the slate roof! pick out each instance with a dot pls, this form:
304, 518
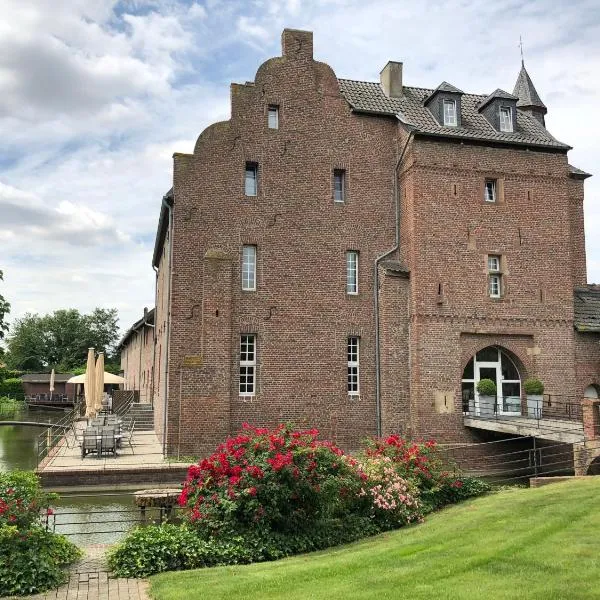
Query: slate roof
525, 90
45, 377
578, 173
587, 308
369, 97
443, 87
148, 318
497, 93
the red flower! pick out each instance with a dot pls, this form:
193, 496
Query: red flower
49, 512
252, 491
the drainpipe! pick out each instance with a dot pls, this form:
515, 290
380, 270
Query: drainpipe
376, 286
168, 334
154, 336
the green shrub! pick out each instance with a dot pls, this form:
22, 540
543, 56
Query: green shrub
22, 499
12, 387
533, 387
486, 387
32, 561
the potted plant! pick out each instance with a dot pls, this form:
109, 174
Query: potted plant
486, 389
534, 389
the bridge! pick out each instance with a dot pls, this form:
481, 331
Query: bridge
558, 419
35, 424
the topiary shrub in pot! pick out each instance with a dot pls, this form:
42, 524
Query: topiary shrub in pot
486, 389
534, 389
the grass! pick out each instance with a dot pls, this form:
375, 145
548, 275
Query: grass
529, 544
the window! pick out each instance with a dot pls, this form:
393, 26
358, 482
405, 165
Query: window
249, 268
339, 185
247, 365
494, 276
352, 272
490, 190
353, 375
251, 180
450, 113
506, 123
273, 116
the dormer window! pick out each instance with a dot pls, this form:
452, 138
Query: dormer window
506, 122
450, 113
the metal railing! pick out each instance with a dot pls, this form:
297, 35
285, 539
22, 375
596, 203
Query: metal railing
54, 433
547, 406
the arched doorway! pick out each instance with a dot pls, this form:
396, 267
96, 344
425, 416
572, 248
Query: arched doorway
591, 391
492, 363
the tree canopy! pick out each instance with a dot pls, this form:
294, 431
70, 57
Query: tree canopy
61, 339
4, 310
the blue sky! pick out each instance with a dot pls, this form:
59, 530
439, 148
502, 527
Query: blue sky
95, 96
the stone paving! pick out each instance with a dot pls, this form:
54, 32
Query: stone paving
89, 580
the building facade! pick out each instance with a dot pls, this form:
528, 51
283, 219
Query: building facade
355, 256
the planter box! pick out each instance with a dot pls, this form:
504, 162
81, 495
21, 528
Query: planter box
534, 406
487, 406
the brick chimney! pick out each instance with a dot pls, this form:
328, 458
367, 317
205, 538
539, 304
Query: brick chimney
391, 79
296, 43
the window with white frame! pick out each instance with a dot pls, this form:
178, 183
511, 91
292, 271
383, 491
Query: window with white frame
339, 185
249, 268
247, 364
352, 272
251, 179
489, 193
450, 113
273, 116
494, 276
353, 366
506, 122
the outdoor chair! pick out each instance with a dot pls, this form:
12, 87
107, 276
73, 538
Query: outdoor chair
90, 442
128, 436
109, 443
97, 422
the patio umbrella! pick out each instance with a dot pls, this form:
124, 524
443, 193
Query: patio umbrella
51, 383
108, 378
99, 392
89, 384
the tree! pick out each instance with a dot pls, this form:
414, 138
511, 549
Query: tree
61, 339
4, 310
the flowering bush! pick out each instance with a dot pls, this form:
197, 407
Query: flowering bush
31, 558
282, 480
393, 500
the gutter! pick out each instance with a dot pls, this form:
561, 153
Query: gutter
376, 286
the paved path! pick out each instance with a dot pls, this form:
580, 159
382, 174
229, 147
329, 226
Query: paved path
89, 580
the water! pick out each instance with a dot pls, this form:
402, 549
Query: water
87, 518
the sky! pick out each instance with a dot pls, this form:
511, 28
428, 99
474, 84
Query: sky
96, 95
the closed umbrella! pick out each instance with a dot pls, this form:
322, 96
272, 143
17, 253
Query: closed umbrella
89, 384
99, 395
51, 383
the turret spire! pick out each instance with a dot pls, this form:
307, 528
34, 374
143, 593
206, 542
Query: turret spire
529, 100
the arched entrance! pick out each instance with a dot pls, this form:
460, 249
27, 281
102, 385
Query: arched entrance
591, 391
492, 363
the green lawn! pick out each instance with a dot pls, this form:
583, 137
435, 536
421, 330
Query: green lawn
542, 543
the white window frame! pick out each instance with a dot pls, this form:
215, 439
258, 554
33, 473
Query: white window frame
353, 373
249, 268
491, 198
352, 272
251, 179
506, 119
273, 116
247, 373
494, 276
339, 191
450, 116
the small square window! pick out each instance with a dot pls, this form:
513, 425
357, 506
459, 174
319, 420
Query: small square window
493, 262
339, 185
251, 179
506, 122
490, 190
273, 116
450, 113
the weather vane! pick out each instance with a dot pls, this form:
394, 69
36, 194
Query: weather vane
521, 46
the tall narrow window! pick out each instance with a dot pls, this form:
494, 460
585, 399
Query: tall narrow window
506, 122
247, 365
352, 272
450, 113
353, 366
494, 276
273, 116
251, 180
489, 194
249, 268
339, 185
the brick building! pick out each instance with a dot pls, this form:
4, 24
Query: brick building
355, 256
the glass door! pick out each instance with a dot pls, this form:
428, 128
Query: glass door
486, 406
